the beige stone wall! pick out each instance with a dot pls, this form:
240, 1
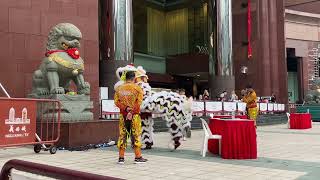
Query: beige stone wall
302, 26
299, 31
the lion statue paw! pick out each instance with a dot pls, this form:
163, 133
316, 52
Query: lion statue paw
85, 89
43, 91
57, 90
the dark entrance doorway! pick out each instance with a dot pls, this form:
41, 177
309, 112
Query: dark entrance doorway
295, 76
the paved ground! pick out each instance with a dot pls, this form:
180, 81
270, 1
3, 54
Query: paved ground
283, 154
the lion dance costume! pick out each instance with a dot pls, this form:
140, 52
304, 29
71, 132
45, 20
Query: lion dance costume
174, 108
251, 100
129, 95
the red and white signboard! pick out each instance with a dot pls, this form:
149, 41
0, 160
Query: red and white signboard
230, 106
108, 106
275, 107
18, 122
242, 106
197, 106
212, 106
263, 107
270, 107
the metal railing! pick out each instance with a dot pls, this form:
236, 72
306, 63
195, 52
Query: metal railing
48, 171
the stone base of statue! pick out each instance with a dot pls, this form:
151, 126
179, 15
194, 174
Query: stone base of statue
74, 108
81, 133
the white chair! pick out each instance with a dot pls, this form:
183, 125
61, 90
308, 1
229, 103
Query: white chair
288, 115
208, 135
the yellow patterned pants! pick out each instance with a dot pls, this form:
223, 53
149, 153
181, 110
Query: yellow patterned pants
253, 113
130, 129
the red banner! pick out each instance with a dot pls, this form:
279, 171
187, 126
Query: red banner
18, 122
249, 30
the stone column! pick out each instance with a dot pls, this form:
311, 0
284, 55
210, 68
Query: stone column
123, 29
272, 68
116, 39
221, 65
264, 30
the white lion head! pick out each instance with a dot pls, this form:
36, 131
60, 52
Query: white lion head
120, 73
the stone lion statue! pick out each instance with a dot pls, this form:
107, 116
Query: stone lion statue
62, 63
313, 95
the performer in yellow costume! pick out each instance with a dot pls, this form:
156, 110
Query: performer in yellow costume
128, 97
251, 99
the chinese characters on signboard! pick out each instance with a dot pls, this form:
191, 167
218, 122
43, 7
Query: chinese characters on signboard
18, 122
17, 126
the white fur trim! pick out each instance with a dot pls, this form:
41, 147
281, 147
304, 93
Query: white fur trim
188, 104
141, 72
129, 68
126, 68
171, 145
118, 84
118, 71
140, 68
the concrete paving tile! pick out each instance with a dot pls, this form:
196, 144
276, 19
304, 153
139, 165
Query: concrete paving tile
276, 160
259, 177
278, 178
293, 175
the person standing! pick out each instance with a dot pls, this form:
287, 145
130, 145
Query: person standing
233, 96
206, 95
223, 96
128, 98
243, 94
182, 92
251, 99
273, 98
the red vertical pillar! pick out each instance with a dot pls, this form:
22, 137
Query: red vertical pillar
264, 72
107, 34
271, 62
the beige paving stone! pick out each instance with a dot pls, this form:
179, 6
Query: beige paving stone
277, 147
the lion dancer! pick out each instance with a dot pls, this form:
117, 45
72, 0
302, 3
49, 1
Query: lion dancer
146, 117
251, 99
173, 106
128, 97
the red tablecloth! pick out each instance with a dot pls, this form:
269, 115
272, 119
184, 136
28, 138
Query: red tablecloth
228, 116
238, 138
300, 121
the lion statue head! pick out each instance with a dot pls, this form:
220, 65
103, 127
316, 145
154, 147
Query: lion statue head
64, 36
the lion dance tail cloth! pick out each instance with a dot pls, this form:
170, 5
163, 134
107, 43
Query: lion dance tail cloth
176, 110
147, 129
146, 117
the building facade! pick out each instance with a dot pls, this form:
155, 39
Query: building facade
179, 42
200, 45
303, 46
